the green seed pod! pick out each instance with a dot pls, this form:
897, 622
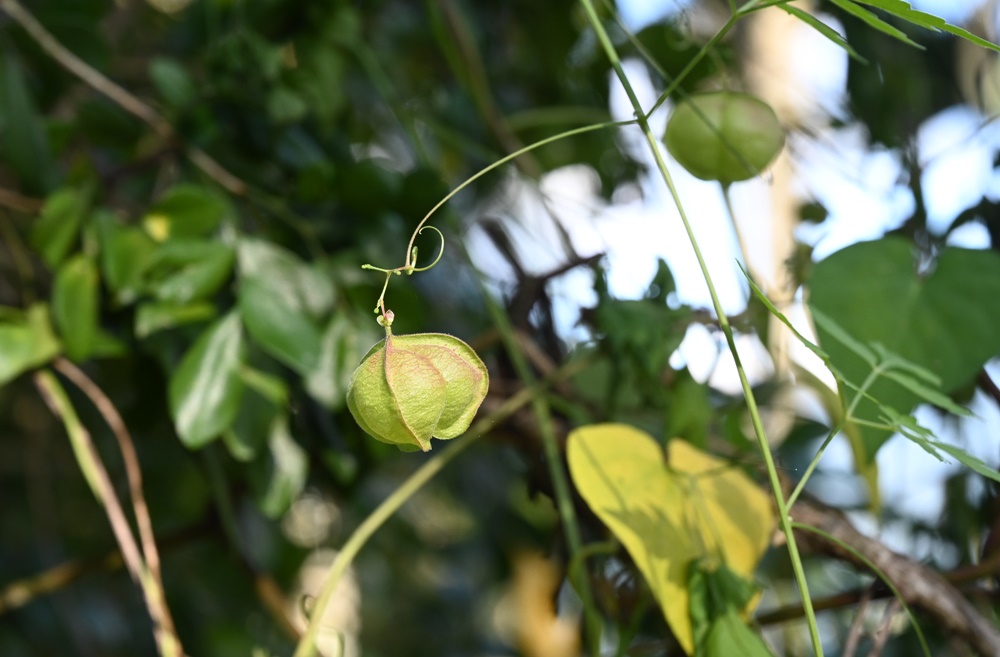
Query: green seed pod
724, 136
409, 388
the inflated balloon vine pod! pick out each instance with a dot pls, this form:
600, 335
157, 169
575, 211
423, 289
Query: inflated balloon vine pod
410, 388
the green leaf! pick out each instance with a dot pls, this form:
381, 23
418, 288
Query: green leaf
286, 106
126, 255
280, 476
941, 318
75, 306
667, 517
831, 328
715, 592
927, 394
730, 636
280, 328
159, 315
903, 10
199, 278
186, 211
823, 29
968, 460
24, 145
206, 388
875, 22
173, 82
781, 317
263, 404
59, 223
892, 361
341, 347
304, 287
26, 341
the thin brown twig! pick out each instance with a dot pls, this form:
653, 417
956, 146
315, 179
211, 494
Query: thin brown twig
21, 592
17, 594
858, 623
90, 460
15, 201
117, 94
133, 472
884, 629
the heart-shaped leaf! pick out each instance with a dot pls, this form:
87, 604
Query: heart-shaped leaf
670, 512
942, 317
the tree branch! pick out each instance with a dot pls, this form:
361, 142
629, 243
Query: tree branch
919, 585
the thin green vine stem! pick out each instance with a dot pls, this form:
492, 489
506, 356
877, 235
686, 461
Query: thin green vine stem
746, 9
504, 160
848, 415
307, 644
783, 510
557, 473
875, 569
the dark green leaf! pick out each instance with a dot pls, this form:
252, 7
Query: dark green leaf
206, 388
942, 320
286, 106
173, 82
26, 341
23, 142
892, 361
75, 306
278, 326
59, 223
280, 475
263, 405
835, 331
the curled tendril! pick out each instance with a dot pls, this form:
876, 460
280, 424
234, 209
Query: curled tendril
385, 318
412, 260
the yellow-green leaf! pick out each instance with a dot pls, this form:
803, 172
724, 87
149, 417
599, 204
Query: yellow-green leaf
669, 516
26, 341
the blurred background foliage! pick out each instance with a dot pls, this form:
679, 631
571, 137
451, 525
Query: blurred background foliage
223, 313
